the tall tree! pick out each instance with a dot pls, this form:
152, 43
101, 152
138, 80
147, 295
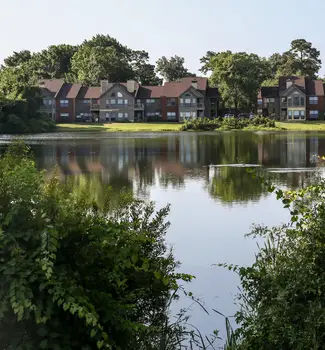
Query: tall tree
54, 62
91, 64
144, 72
305, 57
206, 62
238, 77
173, 68
17, 58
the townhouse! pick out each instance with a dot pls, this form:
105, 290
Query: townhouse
295, 98
187, 98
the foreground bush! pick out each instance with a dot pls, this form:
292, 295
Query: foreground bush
283, 292
76, 276
227, 123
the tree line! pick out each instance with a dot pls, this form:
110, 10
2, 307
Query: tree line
238, 75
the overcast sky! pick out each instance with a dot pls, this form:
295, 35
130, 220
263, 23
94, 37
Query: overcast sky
187, 28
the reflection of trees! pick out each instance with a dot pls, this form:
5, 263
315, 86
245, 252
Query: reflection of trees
138, 163
231, 184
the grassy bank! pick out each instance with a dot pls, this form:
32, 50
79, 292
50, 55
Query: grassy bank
167, 127
121, 127
302, 126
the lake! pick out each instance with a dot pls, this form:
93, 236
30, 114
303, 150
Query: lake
214, 200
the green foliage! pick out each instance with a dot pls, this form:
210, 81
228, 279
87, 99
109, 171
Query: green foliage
282, 298
238, 77
173, 68
74, 275
205, 124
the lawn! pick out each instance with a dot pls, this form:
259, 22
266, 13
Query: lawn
302, 126
121, 127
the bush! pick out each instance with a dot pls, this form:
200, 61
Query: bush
76, 276
283, 292
205, 124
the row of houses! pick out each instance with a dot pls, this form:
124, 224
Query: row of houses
295, 98
176, 101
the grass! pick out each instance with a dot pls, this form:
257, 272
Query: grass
165, 127
121, 127
302, 126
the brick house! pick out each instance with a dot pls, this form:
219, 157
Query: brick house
188, 98
295, 98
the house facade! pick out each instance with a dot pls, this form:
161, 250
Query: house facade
295, 98
188, 98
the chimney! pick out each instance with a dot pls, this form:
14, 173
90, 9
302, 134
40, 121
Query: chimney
194, 84
131, 86
105, 85
289, 83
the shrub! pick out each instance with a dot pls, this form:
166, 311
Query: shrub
205, 124
283, 292
76, 276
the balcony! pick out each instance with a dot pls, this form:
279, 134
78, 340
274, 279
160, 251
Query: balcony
192, 105
139, 107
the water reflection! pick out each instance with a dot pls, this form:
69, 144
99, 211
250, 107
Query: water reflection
139, 163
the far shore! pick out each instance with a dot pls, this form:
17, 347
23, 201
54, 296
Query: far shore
176, 127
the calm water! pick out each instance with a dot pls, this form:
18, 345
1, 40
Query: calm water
214, 200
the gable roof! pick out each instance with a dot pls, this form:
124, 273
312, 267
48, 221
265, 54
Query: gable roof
91, 92
174, 88
123, 86
53, 86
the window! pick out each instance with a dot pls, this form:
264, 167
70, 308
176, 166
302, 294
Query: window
120, 101
283, 99
64, 103
126, 102
86, 101
259, 101
120, 116
313, 100
313, 114
270, 100
302, 101
296, 114
194, 100
171, 101
171, 115
181, 100
289, 114
296, 100
126, 115
64, 115
112, 101
289, 102
113, 94
119, 94
187, 101
150, 100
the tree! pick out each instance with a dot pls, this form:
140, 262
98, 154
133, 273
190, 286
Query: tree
144, 72
91, 64
305, 58
238, 77
173, 68
206, 62
17, 58
75, 275
54, 62
283, 292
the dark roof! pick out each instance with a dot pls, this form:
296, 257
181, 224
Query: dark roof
53, 86
305, 84
268, 91
175, 88
89, 92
